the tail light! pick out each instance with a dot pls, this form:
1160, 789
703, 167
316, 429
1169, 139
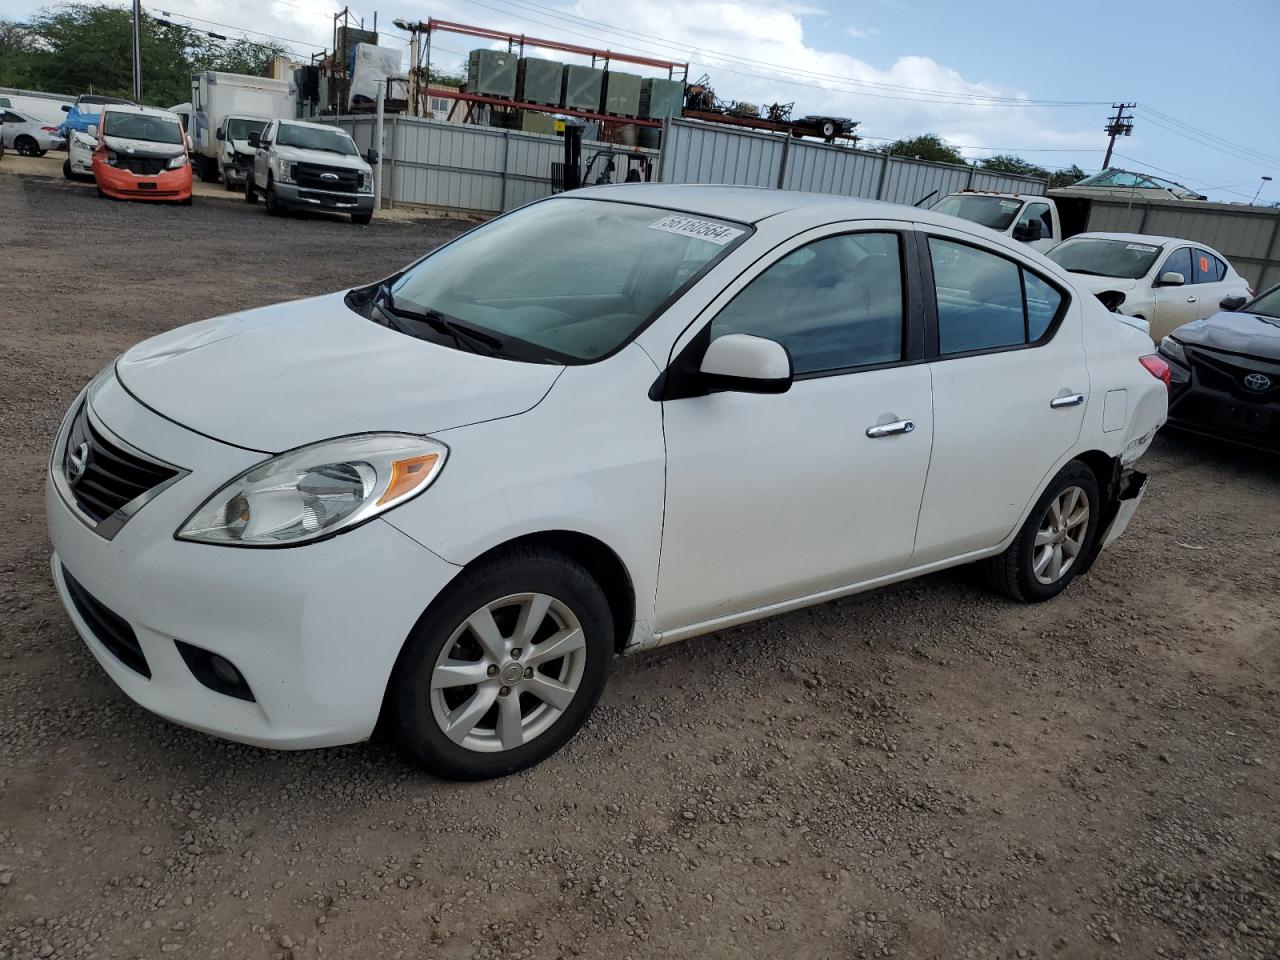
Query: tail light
1157, 368
49, 129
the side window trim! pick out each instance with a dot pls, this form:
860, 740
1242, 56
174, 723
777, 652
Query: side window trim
924, 267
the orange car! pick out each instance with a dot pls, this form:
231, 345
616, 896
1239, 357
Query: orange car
141, 155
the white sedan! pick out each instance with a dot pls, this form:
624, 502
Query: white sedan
607, 421
79, 162
28, 135
1165, 281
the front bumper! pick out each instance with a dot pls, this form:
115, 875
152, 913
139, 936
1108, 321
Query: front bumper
305, 198
172, 185
314, 630
1208, 397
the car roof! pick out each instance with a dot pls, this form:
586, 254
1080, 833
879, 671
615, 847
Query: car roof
317, 126
753, 204
141, 111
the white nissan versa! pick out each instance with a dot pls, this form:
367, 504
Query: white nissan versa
610, 420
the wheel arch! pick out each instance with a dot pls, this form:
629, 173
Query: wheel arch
599, 559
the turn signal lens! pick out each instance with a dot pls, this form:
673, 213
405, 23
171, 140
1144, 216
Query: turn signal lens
407, 475
1157, 368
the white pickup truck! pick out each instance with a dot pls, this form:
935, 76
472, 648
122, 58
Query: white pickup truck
1032, 220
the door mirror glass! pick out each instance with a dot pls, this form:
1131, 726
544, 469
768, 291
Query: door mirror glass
91, 130
188, 140
221, 134
1231, 303
746, 364
255, 140
1172, 279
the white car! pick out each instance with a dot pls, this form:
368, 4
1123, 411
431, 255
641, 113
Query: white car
1165, 281
609, 420
79, 162
28, 135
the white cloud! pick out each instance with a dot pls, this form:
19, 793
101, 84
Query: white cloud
863, 33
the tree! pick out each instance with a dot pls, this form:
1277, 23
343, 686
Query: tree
927, 146
89, 47
1007, 163
1065, 178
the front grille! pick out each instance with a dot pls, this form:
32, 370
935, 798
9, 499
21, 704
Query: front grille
143, 166
1226, 373
313, 176
101, 475
110, 629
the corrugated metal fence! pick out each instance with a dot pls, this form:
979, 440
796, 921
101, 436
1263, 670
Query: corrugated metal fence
467, 168
694, 152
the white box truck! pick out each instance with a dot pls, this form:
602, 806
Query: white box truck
216, 99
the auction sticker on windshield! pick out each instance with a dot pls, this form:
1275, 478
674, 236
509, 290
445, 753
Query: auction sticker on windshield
716, 233
1140, 247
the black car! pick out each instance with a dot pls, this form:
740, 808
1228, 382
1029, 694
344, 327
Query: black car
1226, 372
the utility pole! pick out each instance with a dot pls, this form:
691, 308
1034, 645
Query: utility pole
1117, 126
137, 51
1257, 193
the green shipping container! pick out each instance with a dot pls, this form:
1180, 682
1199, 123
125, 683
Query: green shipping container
621, 94
580, 89
539, 81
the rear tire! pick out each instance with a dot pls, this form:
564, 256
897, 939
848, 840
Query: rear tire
1055, 542
517, 703
208, 170
27, 147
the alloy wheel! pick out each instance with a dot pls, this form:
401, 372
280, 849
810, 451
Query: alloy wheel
508, 672
1060, 537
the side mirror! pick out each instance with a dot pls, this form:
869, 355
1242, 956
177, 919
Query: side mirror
188, 139
1232, 303
1030, 231
91, 129
221, 135
255, 141
1171, 279
66, 108
372, 157
746, 364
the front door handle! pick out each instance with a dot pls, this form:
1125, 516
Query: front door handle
1074, 400
1191, 299
890, 429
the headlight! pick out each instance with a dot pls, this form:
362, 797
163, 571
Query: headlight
112, 158
178, 162
1172, 349
366, 182
317, 490
284, 171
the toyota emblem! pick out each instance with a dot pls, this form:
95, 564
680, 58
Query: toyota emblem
1257, 382
77, 462
328, 176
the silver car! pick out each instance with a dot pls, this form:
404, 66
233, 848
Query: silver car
29, 135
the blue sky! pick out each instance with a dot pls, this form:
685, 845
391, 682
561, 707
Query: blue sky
976, 68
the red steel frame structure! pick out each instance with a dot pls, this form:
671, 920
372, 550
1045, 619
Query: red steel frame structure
518, 41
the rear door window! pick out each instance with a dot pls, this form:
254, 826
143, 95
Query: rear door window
1207, 267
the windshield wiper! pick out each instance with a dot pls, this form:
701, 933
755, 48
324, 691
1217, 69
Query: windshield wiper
464, 336
1095, 273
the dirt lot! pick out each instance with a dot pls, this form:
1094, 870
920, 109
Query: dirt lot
928, 771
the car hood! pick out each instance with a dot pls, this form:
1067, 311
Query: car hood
325, 157
1094, 284
279, 377
143, 148
1234, 332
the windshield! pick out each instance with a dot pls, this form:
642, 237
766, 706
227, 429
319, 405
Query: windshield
240, 129
1105, 258
1267, 305
137, 126
315, 138
994, 212
577, 278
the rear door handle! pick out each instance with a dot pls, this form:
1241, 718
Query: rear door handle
890, 429
1191, 299
1074, 400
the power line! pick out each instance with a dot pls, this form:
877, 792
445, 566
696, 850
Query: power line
1181, 177
792, 75
1252, 158
1204, 133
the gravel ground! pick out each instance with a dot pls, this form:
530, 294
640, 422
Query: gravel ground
927, 771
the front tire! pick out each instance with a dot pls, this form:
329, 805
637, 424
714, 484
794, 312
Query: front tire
503, 668
273, 205
362, 219
1056, 540
250, 191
